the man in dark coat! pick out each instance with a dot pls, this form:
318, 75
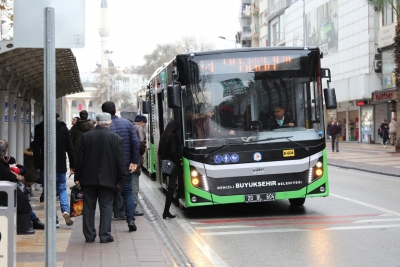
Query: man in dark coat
81, 126
280, 120
334, 131
63, 146
105, 150
125, 130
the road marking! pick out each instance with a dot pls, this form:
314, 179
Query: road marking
286, 218
362, 227
201, 244
224, 227
257, 232
366, 204
377, 220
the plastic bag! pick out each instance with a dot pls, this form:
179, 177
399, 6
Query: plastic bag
76, 201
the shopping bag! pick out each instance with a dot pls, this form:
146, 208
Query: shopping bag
76, 201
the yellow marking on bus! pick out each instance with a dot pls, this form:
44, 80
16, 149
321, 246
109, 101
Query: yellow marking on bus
288, 153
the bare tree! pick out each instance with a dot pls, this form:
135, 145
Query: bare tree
164, 53
109, 84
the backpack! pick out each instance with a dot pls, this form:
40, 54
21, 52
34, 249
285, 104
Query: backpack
380, 132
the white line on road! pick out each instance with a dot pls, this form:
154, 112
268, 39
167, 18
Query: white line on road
377, 220
201, 244
223, 227
366, 204
258, 232
362, 227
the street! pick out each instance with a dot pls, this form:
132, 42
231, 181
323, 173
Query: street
357, 225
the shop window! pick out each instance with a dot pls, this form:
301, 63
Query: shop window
73, 104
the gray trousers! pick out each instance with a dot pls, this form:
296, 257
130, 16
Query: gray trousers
105, 197
335, 142
135, 187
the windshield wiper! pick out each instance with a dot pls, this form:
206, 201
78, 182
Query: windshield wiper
283, 137
218, 149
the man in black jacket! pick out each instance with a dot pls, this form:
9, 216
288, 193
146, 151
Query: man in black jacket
63, 146
105, 150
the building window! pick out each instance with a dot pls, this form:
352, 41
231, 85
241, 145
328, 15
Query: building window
126, 79
126, 89
90, 103
73, 104
135, 80
387, 15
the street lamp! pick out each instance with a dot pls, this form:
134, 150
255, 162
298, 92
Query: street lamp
108, 56
222, 37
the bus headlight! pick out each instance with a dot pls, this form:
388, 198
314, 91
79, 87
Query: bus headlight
198, 180
316, 171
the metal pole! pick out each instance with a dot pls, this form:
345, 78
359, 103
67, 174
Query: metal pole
304, 23
50, 138
108, 81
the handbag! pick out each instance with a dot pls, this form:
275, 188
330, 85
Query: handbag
167, 166
76, 201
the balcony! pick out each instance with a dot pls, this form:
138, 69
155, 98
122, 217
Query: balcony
245, 23
246, 12
246, 34
255, 30
255, 8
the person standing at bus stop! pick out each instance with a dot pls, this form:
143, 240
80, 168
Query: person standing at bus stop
124, 128
334, 131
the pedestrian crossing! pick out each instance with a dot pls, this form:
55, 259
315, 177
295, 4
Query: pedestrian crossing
273, 225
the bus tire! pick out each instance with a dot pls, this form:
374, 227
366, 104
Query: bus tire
297, 201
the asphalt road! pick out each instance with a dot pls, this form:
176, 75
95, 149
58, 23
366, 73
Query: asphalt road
357, 225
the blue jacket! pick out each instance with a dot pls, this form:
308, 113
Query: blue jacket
124, 128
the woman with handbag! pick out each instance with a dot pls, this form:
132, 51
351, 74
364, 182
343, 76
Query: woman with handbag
169, 153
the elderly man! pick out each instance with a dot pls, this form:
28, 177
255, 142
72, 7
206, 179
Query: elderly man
105, 150
124, 128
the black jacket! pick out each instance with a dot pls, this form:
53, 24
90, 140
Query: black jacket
77, 130
101, 159
63, 146
172, 150
275, 125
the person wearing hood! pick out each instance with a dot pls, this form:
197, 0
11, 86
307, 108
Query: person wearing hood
80, 127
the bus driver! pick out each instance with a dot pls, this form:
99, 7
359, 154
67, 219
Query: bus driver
280, 120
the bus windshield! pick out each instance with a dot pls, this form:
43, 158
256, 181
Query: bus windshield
237, 97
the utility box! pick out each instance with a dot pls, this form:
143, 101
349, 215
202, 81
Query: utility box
8, 201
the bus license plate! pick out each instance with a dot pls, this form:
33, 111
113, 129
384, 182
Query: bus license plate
259, 197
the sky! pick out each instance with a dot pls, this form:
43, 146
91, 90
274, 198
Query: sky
138, 26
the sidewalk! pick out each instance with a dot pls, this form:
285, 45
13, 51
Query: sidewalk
365, 157
140, 248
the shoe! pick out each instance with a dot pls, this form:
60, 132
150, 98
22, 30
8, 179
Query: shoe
57, 224
90, 241
384, 146
41, 199
111, 239
168, 215
37, 224
68, 220
337, 151
132, 226
137, 213
123, 218
26, 232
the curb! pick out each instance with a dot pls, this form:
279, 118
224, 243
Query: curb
176, 256
363, 170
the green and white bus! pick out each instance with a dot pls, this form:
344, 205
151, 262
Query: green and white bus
254, 161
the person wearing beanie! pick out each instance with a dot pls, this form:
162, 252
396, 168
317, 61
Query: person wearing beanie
139, 125
81, 126
104, 149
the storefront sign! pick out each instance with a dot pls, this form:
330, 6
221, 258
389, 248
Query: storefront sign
386, 35
392, 95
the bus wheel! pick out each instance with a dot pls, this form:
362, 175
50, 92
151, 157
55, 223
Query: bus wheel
297, 201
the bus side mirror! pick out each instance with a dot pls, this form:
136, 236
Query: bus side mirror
145, 107
174, 96
330, 98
